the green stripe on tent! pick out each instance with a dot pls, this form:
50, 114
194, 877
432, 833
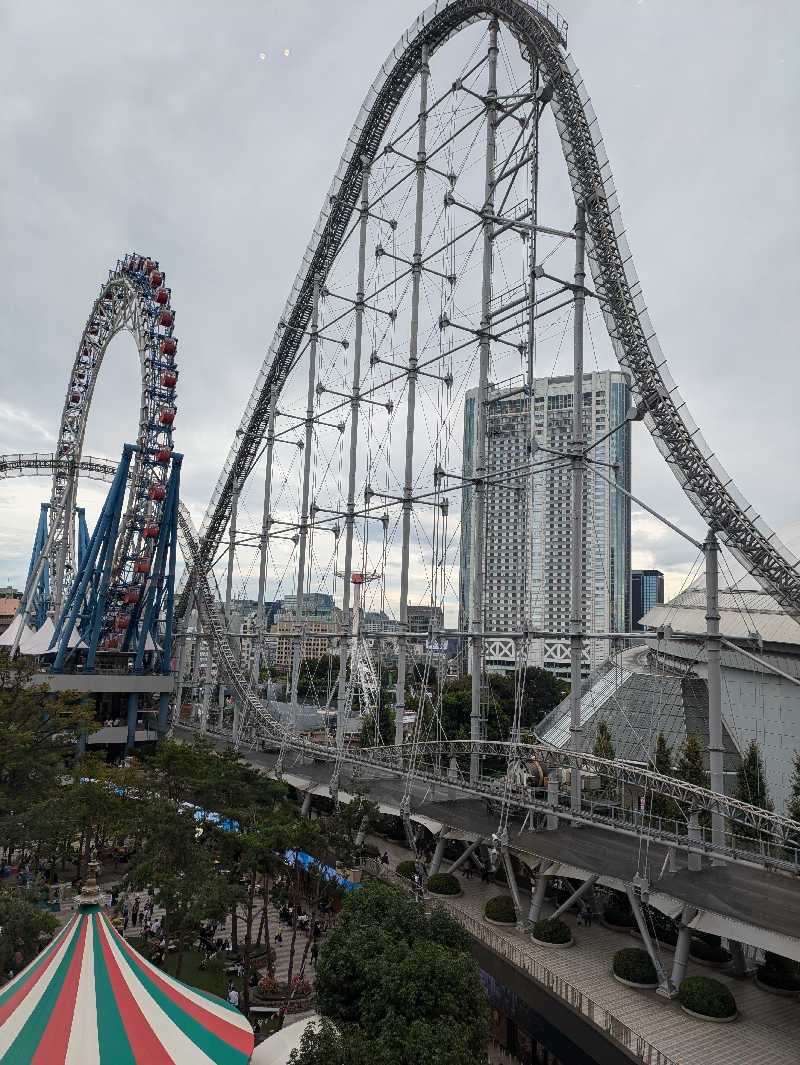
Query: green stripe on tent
27, 1042
115, 1048
220, 1052
43, 959
126, 948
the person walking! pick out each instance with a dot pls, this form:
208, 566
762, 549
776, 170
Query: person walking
314, 954
135, 911
233, 997
125, 916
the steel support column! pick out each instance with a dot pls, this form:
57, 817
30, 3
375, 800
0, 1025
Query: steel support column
665, 986
297, 639
413, 347
438, 852
511, 877
576, 501
351, 472
266, 522
465, 855
682, 946
576, 895
133, 710
714, 682
479, 452
537, 898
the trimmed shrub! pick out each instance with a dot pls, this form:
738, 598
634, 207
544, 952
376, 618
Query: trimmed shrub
706, 947
443, 884
663, 928
779, 972
552, 931
707, 997
406, 869
634, 965
617, 910
501, 908
618, 917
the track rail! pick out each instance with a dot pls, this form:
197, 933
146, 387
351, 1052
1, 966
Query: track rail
541, 35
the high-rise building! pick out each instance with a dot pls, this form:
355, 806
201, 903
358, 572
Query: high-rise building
527, 579
647, 591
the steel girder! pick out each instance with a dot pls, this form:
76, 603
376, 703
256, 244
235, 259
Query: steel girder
541, 34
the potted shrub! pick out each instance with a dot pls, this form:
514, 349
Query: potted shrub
708, 950
707, 999
634, 968
406, 869
552, 933
443, 884
779, 975
500, 910
268, 988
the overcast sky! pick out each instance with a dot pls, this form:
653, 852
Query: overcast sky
157, 127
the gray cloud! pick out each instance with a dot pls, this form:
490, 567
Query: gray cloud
158, 128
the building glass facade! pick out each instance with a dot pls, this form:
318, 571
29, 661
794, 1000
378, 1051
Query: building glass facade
647, 591
528, 578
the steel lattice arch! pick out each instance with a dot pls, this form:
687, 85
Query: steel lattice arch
541, 34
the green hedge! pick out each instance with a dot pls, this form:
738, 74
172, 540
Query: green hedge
501, 908
708, 997
406, 869
780, 972
620, 918
443, 884
706, 947
552, 931
634, 965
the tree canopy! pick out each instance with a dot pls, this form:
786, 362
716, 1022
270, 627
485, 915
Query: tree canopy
398, 982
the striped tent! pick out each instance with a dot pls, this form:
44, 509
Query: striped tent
90, 999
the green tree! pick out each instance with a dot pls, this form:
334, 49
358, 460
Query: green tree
25, 930
175, 861
38, 734
603, 745
401, 981
656, 804
662, 759
542, 692
385, 715
793, 804
690, 766
751, 779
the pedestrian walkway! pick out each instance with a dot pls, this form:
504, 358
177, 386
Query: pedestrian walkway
766, 1033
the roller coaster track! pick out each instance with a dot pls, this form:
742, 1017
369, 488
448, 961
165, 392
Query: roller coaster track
541, 34
391, 762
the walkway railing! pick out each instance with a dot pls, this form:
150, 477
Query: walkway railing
598, 1015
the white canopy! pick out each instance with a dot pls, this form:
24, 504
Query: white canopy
40, 642
7, 638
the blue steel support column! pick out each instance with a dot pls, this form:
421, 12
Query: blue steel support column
133, 710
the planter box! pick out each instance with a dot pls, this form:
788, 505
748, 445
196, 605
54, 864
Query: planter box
714, 1020
500, 924
543, 943
442, 895
784, 992
631, 983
